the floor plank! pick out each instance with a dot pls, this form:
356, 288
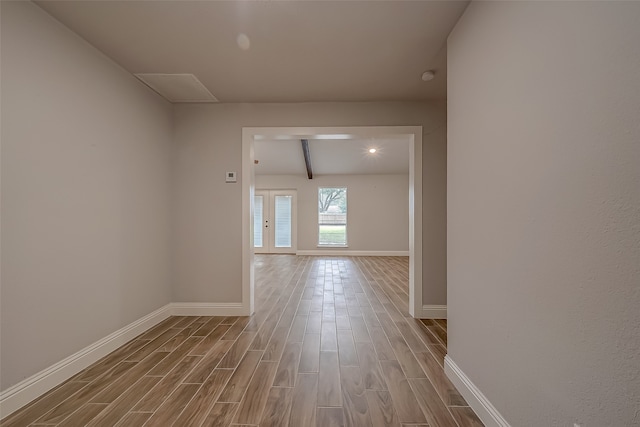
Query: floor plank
439, 352
296, 334
410, 337
116, 388
69, 405
83, 415
174, 405
310, 357
303, 411
97, 369
255, 399
49, 401
432, 406
220, 415
239, 381
381, 408
328, 336
152, 400
465, 417
278, 407
233, 331
406, 358
133, 419
356, 408
123, 404
370, 368
277, 343
288, 366
209, 341
198, 408
329, 380
401, 393
169, 362
153, 345
209, 362
209, 326
330, 417
359, 328
237, 350
347, 349
446, 390
382, 345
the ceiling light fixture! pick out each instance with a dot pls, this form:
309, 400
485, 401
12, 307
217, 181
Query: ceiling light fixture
372, 150
428, 75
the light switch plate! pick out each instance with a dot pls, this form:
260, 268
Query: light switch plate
230, 177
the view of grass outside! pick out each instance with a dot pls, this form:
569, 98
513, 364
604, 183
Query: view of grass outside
332, 216
332, 235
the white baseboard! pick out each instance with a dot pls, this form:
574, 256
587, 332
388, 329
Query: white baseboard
208, 309
347, 252
433, 312
474, 397
29, 389
33, 387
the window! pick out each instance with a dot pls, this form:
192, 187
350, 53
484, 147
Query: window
332, 216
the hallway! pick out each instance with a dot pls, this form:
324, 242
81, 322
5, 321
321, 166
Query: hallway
331, 344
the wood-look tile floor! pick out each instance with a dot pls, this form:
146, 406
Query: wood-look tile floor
331, 344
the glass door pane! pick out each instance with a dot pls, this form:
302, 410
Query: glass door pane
258, 217
282, 210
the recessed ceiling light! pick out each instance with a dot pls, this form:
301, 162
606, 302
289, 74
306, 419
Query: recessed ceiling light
428, 75
372, 150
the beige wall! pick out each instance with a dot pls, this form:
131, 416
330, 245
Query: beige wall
207, 230
85, 194
377, 208
544, 209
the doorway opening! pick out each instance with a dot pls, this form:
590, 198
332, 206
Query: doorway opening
410, 134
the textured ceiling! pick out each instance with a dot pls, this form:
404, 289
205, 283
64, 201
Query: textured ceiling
294, 51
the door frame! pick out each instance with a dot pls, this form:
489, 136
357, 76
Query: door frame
413, 135
271, 194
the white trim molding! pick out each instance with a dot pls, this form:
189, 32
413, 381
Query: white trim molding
208, 309
343, 252
412, 134
474, 397
433, 312
19, 395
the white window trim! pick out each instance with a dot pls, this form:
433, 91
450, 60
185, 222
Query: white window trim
320, 245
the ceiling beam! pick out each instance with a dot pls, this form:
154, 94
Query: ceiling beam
307, 157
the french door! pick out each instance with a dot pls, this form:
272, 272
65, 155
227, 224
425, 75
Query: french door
274, 221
